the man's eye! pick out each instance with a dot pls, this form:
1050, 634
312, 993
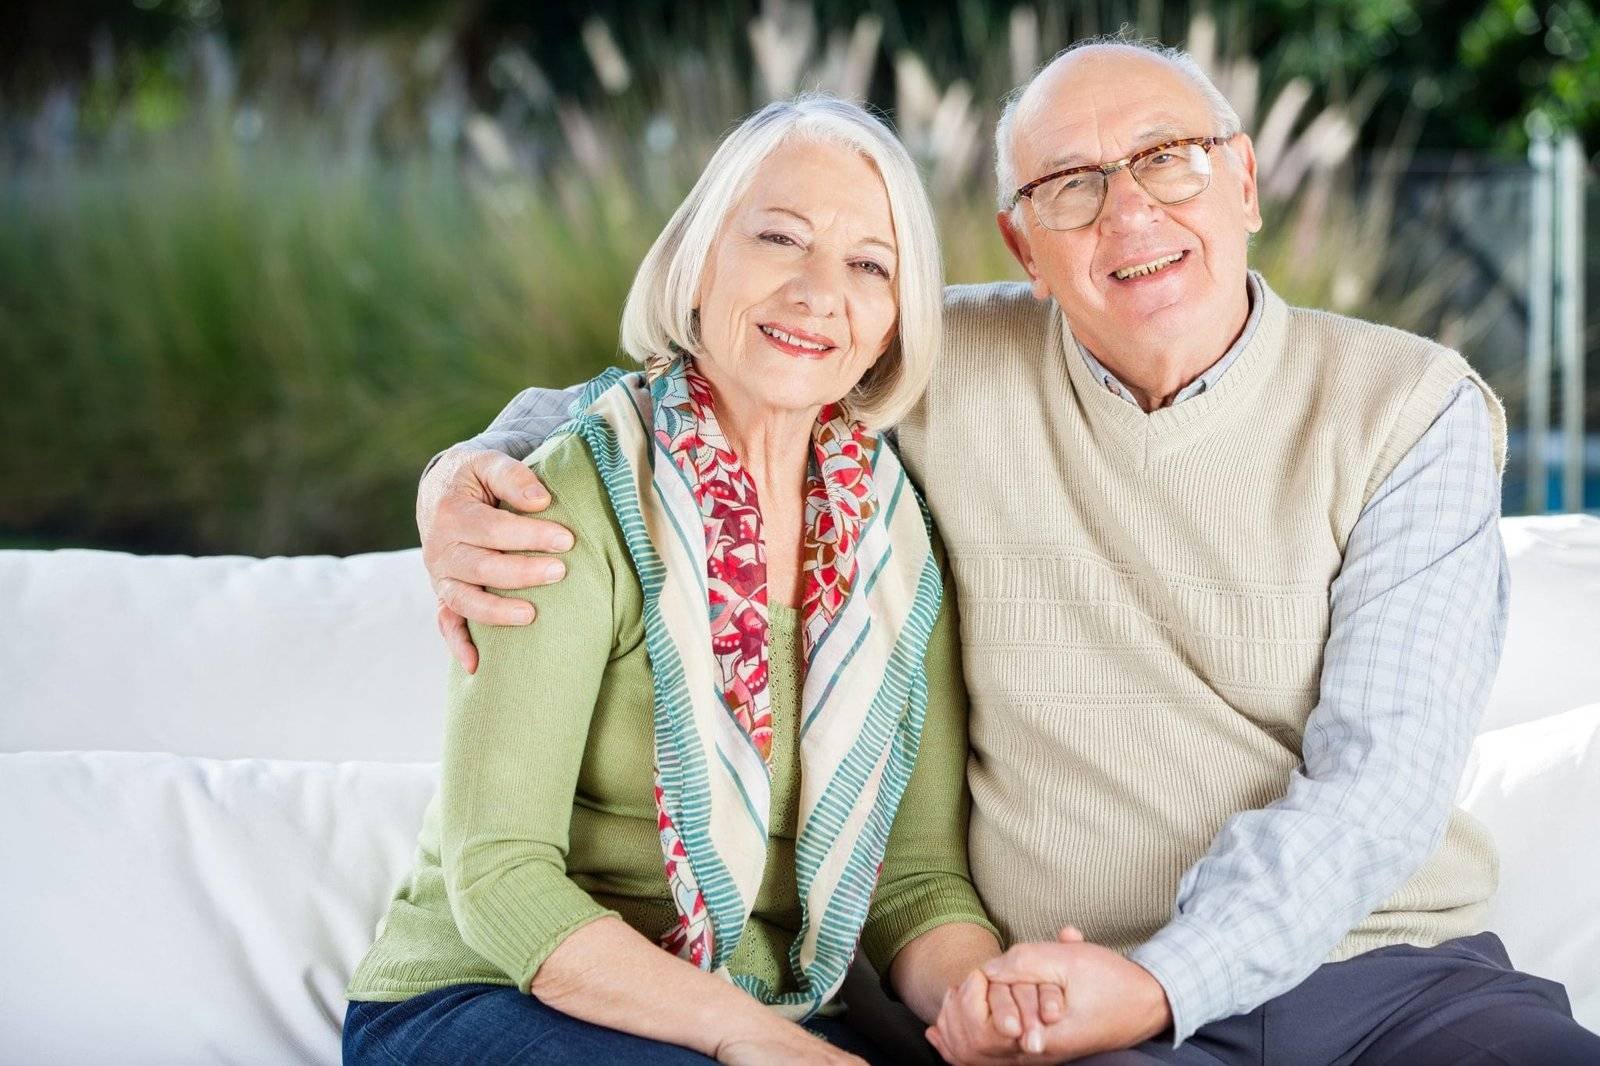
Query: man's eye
1072, 185
1160, 159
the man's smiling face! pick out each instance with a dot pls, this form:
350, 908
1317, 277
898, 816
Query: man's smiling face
1101, 105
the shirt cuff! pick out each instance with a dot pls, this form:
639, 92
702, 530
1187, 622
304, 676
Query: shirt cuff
428, 469
1190, 966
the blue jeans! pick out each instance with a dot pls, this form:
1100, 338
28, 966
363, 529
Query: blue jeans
498, 1024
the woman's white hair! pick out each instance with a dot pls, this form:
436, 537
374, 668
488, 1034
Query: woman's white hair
1005, 167
658, 320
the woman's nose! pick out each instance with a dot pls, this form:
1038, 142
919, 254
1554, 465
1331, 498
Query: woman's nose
818, 286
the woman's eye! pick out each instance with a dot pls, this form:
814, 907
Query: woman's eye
779, 238
873, 268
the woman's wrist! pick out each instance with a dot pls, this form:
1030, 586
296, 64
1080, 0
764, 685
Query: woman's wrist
938, 960
744, 1020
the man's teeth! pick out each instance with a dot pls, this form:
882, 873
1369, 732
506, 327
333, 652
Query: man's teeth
779, 334
1148, 268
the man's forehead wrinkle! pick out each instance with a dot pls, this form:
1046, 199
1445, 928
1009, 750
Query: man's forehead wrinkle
1053, 139
1057, 121
1100, 136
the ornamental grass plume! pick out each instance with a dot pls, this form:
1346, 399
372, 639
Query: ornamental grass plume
242, 303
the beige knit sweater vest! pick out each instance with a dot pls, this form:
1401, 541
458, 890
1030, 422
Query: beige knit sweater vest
1145, 599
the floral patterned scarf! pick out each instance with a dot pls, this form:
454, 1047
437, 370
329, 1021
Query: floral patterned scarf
839, 500
689, 513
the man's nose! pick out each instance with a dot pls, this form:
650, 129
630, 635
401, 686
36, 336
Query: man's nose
1127, 204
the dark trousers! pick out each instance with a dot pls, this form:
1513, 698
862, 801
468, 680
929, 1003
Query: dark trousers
1461, 1002
497, 1024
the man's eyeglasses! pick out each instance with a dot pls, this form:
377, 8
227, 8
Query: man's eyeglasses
1171, 172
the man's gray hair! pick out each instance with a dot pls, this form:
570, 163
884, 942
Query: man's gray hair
1005, 169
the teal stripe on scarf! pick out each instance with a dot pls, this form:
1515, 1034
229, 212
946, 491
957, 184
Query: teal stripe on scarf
679, 761
894, 503
748, 806
822, 700
887, 517
904, 688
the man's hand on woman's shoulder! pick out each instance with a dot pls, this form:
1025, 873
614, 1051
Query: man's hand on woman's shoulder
467, 538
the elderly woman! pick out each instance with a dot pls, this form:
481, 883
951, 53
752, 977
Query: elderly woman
734, 743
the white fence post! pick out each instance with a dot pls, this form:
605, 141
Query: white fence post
1541, 224
1568, 317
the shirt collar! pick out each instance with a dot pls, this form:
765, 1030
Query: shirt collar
1212, 374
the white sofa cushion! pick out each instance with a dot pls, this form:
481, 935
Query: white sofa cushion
1537, 787
213, 910
170, 910
313, 657
1552, 655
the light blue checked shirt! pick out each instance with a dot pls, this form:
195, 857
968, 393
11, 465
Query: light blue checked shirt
1418, 620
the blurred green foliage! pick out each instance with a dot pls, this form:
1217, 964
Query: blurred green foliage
259, 261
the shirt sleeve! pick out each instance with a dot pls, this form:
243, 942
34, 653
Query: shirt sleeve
523, 424
515, 738
1418, 616
925, 881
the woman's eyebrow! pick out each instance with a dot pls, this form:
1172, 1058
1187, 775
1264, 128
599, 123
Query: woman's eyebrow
791, 212
880, 242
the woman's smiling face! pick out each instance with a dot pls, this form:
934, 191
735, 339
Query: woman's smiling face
798, 297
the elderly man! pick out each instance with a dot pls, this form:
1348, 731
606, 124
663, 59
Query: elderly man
1232, 597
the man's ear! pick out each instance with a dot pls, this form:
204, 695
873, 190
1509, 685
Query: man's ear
1244, 150
1017, 242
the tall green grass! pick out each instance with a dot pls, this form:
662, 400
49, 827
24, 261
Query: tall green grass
243, 324
258, 358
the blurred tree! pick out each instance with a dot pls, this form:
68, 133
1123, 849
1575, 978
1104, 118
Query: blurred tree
1482, 71
1478, 71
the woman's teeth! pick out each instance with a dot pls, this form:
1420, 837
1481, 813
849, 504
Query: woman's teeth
778, 334
1148, 268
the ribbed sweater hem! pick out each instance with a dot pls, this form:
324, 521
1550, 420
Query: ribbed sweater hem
905, 919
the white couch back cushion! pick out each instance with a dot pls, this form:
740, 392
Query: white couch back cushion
314, 657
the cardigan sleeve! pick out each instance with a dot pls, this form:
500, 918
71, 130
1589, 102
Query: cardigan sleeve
515, 738
925, 882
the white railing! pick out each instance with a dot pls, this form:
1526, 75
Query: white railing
1555, 316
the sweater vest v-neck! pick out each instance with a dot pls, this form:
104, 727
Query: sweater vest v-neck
1145, 600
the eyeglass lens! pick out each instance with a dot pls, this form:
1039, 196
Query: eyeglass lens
1171, 176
